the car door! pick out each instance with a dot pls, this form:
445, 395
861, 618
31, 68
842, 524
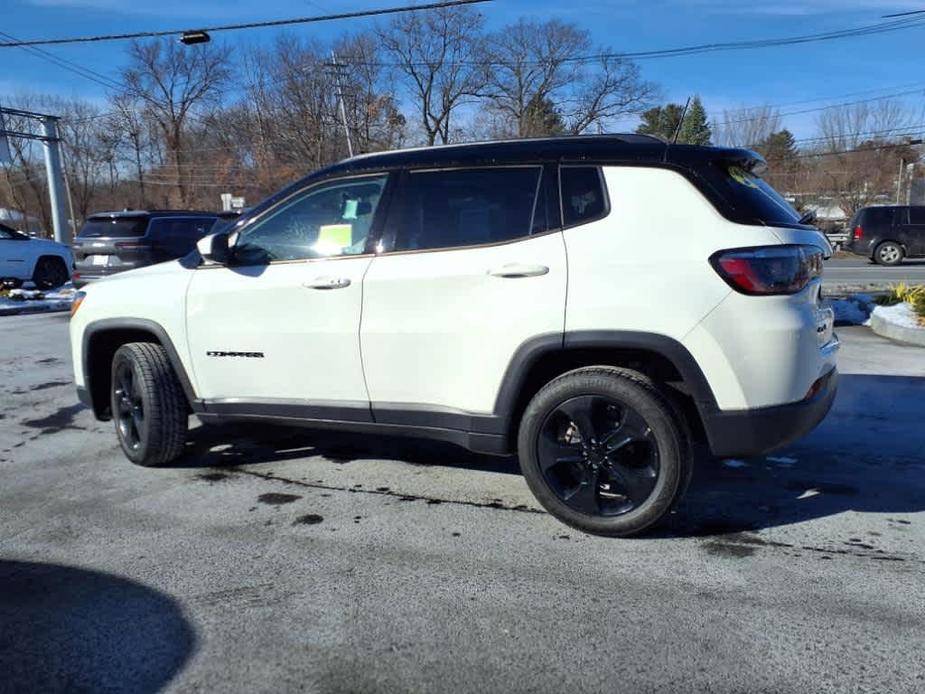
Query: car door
915, 231
471, 266
276, 330
17, 255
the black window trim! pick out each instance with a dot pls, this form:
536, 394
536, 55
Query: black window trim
388, 236
371, 238
600, 175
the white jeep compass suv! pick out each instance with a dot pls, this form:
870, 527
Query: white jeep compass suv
595, 304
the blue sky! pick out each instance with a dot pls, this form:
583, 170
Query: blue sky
786, 76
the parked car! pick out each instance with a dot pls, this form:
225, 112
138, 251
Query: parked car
113, 242
592, 303
23, 259
886, 235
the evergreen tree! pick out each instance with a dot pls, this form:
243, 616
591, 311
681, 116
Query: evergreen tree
779, 147
695, 130
661, 121
541, 118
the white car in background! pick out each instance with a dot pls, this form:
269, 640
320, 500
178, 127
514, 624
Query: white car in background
24, 259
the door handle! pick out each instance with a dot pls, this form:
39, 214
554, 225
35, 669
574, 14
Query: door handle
326, 283
515, 270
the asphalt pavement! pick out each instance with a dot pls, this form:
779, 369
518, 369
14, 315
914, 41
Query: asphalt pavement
276, 560
860, 272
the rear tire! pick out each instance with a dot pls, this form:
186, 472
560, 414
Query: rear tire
604, 451
50, 273
889, 253
149, 409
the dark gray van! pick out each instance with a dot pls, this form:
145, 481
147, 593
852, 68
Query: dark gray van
888, 234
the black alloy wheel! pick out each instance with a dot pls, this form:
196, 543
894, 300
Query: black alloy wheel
129, 413
598, 455
605, 450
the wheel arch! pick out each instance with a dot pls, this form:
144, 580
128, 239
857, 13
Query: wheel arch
660, 357
100, 341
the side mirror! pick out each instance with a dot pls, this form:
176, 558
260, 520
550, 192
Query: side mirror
214, 248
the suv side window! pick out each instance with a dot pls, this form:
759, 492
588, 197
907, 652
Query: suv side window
917, 215
467, 207
327, 220
177, 237
583, 196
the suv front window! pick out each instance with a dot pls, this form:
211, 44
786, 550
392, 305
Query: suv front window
330, 219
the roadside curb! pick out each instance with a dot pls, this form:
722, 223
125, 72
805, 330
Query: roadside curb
886, 325
848, 289
26, 309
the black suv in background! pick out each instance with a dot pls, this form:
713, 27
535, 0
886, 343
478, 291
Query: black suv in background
886, 235
111, 242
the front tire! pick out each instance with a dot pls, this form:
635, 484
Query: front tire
889, 253
50, 273
149, 408
604, 451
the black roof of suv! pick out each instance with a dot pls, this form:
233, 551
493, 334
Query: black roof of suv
718, 172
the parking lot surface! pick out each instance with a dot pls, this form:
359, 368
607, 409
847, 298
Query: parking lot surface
859, 272
272, 560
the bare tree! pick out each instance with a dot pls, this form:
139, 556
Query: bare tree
846, 127
532, 68
434, 54
177, 83
746, 127
859, 150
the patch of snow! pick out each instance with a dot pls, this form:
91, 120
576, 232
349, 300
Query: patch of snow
855, 310
37, 301
899, 314
782, 460
733, 463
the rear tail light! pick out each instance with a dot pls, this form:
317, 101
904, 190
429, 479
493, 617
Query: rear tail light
769, 270
858, 233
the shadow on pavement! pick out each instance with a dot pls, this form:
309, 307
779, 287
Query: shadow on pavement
867, 456
69, 629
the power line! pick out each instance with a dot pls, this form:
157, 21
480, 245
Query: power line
247, 25
902, 14
71, 66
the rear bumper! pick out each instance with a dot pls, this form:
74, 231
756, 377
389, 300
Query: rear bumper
91, 274
759, 431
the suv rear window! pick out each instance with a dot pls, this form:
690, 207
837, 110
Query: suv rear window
105, 227
874, 215
752, 199
467, 207
583, 196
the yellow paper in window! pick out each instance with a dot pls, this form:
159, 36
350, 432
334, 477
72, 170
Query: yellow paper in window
340, 235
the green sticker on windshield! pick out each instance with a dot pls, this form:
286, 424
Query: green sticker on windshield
741, 176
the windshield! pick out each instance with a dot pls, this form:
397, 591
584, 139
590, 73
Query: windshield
752, 198
117, 228
11, 234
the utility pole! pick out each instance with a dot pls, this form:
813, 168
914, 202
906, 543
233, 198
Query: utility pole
340, 98
56, 190
51, 143
899, 181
